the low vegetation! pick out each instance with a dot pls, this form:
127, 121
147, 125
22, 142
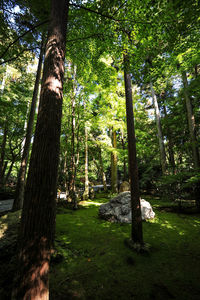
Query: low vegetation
91, 260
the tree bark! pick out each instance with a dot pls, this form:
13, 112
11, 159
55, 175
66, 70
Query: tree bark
38, 215
159, 130
19, 192
114, 186
136, 232
191, 123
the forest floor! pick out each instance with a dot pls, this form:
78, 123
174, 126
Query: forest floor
91, 260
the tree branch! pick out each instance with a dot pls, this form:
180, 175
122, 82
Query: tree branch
22, 35
15, 57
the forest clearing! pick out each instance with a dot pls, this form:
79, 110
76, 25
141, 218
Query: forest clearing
99, 149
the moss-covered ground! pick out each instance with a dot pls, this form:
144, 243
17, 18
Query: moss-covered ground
92, 262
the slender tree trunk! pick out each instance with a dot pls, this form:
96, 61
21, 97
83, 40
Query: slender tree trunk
192, 131
72, 192
191, 123
19, 192
124, 160
9, 170
102, 171
86, 191
170, 146
114, 186
136, 233
38, 215
3, 152
159, 130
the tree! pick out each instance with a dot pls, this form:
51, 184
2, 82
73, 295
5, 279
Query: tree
19, 193
136, 233
38, 215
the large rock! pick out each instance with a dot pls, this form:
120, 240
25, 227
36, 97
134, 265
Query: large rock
118, 209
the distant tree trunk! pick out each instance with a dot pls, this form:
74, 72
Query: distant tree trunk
72, 192
3, 152
19, 192
159, 130
170, 145
192, 131
191, 123
102, 171
86, 191
114, 186
124, 161
38, 215
136, 233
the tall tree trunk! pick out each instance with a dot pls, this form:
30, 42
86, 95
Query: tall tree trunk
72, 192
136, 232
124, 160
19, 192
170, 145
159, 130
191, 123
3, 151
86, 191
38, 215
102, 171
192, 131
114, 186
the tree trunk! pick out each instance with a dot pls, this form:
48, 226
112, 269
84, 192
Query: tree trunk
72, 192
38, 215
191, 123
3, 151
124, 160
19, 192
114, 187
170, 145
159, 130
102, 171
136, 233
86, 191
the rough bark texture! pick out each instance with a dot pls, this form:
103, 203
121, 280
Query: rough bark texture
191, 123
114, 187
159, 130
19, 192
38, 215
136, 234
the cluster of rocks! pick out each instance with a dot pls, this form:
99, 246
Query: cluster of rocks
118, 209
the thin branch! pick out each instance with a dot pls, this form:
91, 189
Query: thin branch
22, 35
95, 12
85, 37
15, 57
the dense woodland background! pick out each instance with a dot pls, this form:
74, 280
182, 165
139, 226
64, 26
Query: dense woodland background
155, 43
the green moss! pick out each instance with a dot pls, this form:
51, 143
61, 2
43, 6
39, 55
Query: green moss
97, 265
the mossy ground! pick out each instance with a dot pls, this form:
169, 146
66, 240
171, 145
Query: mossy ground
91, 260
96, 263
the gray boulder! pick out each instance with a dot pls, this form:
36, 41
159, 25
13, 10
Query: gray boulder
118, 209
